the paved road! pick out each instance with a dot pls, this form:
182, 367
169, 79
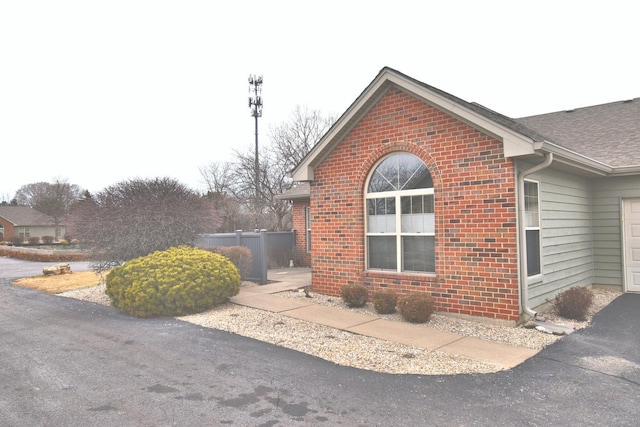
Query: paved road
65, 362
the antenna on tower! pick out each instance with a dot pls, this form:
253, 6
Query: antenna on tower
255, 105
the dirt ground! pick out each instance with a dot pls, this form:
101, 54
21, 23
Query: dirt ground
61, 283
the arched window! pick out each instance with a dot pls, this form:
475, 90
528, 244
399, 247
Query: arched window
400, 220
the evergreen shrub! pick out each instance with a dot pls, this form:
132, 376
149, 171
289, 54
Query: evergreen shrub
416, 307
354, 295
174, 282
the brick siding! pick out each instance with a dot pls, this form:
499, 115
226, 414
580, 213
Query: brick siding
475, 207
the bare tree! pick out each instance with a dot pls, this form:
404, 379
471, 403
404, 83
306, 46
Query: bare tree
217, 177
53, 199
292, 140
223, 191
267, 211
137, 217
289, 143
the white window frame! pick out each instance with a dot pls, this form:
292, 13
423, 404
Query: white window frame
534, 227
307, 224
398, 233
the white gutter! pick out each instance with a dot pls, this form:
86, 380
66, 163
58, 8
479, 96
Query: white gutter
522, 259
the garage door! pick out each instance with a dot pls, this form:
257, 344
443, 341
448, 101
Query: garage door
632, 244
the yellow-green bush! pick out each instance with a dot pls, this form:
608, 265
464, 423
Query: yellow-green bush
174, 282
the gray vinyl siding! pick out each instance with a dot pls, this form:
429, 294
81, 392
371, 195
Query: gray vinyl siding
566, 230
607, 233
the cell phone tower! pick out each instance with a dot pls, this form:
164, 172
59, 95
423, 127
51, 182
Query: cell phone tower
255, 105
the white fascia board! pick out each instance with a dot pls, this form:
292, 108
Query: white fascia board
569, 157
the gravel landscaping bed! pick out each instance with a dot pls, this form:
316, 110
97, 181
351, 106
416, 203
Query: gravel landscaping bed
363, 352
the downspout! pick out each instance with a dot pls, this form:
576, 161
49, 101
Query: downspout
524, 288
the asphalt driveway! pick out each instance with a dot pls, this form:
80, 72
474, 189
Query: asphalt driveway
72, 363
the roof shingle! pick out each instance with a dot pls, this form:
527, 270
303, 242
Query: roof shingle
608, 133
24, 216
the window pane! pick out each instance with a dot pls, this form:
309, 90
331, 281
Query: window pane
381, 216
307, 213
382, 252
385, 177
418, 254
531, 204
400, 171
413, 173
533, 252
417, 214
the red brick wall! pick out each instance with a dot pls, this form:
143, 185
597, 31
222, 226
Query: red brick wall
300, 226
9, 229
475, 207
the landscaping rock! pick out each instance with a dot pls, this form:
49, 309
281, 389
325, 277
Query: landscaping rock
62, 268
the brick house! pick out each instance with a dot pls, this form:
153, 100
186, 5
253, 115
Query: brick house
416, 190
25, 222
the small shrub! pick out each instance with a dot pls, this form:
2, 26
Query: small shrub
240, 256
354, 295
174, 282
574, 303
384, 301
33, 240
416, 307
16, 240
47, 240
75, 241
64, 242
279, 258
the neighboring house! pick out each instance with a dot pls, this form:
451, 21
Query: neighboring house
414, 189
26, 222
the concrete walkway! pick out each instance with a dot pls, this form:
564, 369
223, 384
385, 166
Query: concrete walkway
261, 297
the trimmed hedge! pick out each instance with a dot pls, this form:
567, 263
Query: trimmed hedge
42, 255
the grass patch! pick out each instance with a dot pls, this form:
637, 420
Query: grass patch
56, 284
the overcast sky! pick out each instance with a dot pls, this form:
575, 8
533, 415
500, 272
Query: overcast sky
97, 92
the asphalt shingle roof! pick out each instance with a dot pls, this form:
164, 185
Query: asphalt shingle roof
301, 190
609, 133
25, 216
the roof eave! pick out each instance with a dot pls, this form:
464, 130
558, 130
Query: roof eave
577, 160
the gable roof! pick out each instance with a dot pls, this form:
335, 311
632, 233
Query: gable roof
517, 139
520, 137
24, 216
